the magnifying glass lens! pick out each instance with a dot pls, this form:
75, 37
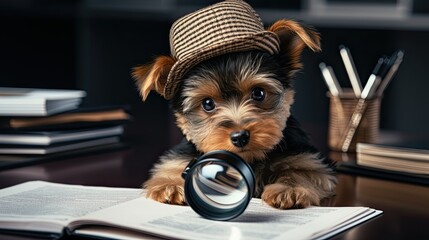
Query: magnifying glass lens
220, 185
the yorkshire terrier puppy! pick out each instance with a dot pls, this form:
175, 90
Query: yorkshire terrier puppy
240, 102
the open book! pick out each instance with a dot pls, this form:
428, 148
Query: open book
48, 208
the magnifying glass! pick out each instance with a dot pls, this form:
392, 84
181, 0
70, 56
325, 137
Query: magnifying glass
219, 185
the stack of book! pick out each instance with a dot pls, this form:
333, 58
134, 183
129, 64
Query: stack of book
45, 121
408, 157
406, 161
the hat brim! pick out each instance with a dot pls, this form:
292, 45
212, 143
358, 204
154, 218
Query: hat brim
265, 41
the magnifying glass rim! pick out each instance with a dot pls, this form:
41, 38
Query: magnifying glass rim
223, 157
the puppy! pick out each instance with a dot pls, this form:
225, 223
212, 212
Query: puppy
240, 101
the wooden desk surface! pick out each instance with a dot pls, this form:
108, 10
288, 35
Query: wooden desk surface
405, 206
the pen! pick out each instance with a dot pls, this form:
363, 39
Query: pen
367, 92
353, 124
373, 80
351, 70
330, 79
394, 63
335, 90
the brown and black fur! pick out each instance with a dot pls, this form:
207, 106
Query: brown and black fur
289, 171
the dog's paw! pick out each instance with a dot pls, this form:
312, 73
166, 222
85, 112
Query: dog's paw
283, 196
167, 193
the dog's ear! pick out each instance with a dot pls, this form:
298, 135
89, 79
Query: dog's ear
153, 76
294, 37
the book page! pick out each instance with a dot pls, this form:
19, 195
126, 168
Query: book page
36, 204
257, 222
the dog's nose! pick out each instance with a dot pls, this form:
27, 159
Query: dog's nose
240, 138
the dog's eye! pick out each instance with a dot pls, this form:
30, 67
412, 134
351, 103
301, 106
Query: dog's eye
258, 94
208, 104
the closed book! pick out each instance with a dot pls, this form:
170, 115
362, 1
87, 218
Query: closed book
11, 161
38, 102
55, 148
74, 119
350, 167
46, 138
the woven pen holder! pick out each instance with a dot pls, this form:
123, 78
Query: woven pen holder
340, 112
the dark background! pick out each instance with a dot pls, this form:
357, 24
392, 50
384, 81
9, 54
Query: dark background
93, 45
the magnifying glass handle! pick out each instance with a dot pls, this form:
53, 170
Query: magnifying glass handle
186, 171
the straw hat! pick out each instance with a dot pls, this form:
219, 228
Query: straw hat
225, 27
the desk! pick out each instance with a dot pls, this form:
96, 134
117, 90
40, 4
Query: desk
405, 206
